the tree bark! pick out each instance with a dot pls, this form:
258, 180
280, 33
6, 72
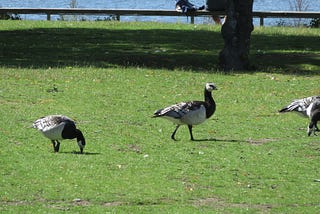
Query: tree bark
236, 33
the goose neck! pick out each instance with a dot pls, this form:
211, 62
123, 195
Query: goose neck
210, 104
80, 137
208, 97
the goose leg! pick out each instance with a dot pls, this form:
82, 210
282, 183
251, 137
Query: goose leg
54, 145
315, 128
174, 132
57, 146
311, 128
190, 131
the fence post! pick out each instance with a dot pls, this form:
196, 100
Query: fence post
48, 16
261, 21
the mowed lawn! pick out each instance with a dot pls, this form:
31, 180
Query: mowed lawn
110, 77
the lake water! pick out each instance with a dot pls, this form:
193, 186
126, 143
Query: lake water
259, 5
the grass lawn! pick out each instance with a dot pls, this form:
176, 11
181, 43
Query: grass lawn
110, 77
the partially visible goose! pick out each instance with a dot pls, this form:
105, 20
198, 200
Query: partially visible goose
306, 107
190, 113
59, 127
314, 117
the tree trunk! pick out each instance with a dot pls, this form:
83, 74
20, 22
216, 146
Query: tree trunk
236, 33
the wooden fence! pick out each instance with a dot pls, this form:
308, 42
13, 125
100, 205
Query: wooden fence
146, 12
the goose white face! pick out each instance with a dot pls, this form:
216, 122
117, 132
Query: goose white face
81, 144
210, 86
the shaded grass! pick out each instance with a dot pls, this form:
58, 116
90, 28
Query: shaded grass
290, 50
248, 158
167, 46
110, 44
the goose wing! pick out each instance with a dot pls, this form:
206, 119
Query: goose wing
179, 110
300, 105
49, 122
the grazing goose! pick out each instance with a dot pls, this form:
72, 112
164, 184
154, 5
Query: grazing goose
190, 113
306, 107
59, 127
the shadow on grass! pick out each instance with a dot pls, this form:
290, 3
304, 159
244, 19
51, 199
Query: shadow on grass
79, 153
196, 50
220, 140
53, 47
249, 141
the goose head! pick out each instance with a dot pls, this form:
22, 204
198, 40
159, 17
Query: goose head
81, 141
210, 86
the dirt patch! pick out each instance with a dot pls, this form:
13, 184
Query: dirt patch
113, 204
80, 202
219, 203
130, 148
260, 141
134, 148
15, 203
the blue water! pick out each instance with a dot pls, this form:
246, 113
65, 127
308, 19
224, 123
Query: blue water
259, 5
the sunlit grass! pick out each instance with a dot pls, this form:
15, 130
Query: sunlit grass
248, 157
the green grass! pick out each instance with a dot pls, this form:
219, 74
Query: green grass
153, 45
111, 77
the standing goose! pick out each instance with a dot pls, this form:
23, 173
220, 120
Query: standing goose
190, 113
306, 107
59, 127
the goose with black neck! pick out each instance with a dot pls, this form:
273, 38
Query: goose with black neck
190, 113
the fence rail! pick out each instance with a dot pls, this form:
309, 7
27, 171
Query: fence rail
146, 12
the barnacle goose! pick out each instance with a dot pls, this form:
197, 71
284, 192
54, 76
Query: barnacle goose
59, 127
190, 113
307, 107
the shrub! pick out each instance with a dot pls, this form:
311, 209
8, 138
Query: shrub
6, 16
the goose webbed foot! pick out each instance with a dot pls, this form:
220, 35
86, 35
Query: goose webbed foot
173, 138
175, 131
311, 130
314, 133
